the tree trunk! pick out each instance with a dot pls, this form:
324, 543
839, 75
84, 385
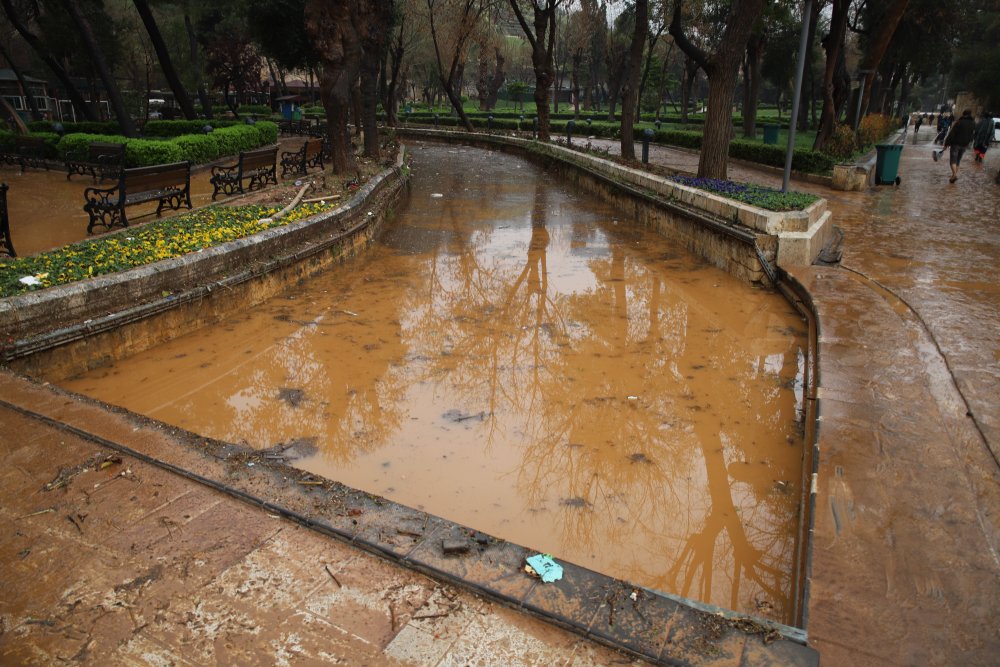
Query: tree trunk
373, 20
878, 46
833, 44
616, 79
630, 92
22, 84
74, 95
645, 72
687, 86
396, 61
751, 84
328, 24
722, 69
904, 94
206, 104
163, 55
542, 42
575, 81
107, 76
496, 81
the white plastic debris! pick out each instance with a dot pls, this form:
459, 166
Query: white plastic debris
436, 195
30, 280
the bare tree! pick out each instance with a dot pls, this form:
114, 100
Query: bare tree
454, 25
50, 61
163, 55
721, 68
103, 69
541, 36
328, 24
630, 91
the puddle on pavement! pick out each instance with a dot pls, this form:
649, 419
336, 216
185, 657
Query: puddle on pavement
515, 356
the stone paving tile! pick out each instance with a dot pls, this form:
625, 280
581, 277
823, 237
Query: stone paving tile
370, 599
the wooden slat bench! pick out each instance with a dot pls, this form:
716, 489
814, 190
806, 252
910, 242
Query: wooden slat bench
257, 165
28, 152
169, 184
299, 162
102, 160
6, 245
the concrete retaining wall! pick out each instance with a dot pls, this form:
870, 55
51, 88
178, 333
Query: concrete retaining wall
787, 238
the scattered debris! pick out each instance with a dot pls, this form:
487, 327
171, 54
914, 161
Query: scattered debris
77, 520
639, 457
575, 502
457, 416
545, 567
45, 511
454, 547
333, 576
293, 397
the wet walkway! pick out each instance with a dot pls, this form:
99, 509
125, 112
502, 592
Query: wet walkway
905, 559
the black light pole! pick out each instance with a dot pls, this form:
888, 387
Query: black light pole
800, 68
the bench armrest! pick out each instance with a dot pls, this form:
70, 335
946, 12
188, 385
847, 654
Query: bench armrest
226, 170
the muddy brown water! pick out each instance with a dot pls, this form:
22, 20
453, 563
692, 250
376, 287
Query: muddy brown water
516, 356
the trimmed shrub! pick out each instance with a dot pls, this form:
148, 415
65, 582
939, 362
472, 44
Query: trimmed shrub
176, 128
143, 152
812, 162
874, 128
842, 143
198, 148
87, 127
51, 142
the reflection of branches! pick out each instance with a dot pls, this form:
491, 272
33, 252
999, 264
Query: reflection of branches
624, 394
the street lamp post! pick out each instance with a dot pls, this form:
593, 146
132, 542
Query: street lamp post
797, 94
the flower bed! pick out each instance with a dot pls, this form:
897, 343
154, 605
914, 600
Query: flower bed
152, 242
748, 193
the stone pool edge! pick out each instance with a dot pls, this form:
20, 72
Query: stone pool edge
792, 238
663, 629
655, 626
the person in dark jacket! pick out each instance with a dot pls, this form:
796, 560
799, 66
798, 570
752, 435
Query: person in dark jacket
984, 135
958, 139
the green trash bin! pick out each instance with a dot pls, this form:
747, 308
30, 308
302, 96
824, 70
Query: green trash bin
887, 164
771, 134
297, 114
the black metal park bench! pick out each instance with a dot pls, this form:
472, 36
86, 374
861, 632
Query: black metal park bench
27, 152
6, 245
257, 165
299, 162
169, 184
101, 159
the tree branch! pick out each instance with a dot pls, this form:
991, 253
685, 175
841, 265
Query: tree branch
687, 46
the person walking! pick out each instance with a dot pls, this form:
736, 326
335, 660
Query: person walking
916, 126
958, 139
984, 134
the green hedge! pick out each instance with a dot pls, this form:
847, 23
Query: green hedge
198, 148
812, 162
51, 142
177, 128
88, 127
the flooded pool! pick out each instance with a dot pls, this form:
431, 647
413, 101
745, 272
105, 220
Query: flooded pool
516, 356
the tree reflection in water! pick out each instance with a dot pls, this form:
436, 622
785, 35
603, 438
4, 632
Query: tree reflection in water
511, 357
